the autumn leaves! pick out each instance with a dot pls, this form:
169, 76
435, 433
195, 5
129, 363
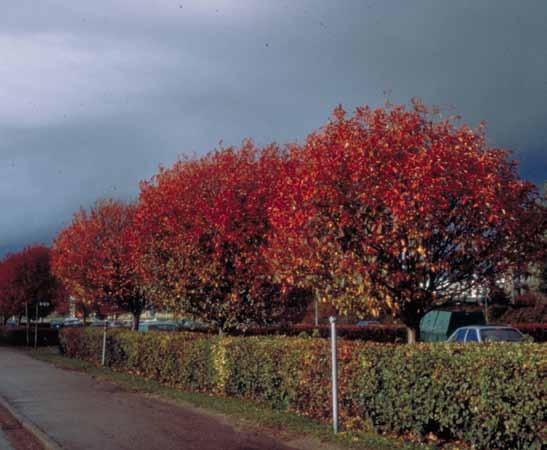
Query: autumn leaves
27, 286
389, 210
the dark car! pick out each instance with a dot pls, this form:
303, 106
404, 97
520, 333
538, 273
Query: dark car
192, 325
159, 325
117, 324
56, 324
164, 326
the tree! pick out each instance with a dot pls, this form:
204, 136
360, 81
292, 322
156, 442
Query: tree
396, 210
10, 302
92, 257
543, 279
27, 285
199, 236
543, 264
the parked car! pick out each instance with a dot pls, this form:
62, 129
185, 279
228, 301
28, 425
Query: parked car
117, 324
192, 325
167, 325
486, 333
366, 323
439, 325
159, 325
72, 322
56, 323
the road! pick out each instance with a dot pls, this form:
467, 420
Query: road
4, 444
80, 413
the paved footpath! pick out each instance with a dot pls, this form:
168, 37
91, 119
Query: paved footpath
4, 444
78, 412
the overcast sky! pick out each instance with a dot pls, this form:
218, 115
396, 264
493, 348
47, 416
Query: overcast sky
94, 95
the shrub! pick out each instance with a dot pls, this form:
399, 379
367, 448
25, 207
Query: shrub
528, 299
376, 333
530, 309
491, 395
538, 331
18, 336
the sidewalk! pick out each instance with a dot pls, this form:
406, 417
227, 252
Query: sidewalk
4, 444
78, 412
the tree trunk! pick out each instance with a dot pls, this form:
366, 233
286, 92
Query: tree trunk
486, 311
412, 335
27, 324
136, 320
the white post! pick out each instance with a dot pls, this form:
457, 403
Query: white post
36, 328
28, 324
103, 358
332, 321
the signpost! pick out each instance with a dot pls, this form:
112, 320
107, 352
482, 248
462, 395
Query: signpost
332, 321
103, 357
45, 304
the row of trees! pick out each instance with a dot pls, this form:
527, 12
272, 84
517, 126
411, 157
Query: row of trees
27, 286
390, 210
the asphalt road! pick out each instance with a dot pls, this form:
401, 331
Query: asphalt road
79, 413
4, 444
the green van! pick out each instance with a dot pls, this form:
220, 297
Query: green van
438, 325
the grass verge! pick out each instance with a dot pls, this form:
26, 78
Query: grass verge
293, 429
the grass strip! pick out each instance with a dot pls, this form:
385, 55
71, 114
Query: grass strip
292, 428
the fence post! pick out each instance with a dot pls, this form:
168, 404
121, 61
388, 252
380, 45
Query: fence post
36, 327
27, 324
332, 321
103, 358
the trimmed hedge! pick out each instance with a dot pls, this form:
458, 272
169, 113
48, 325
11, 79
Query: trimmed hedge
18, 336
491, 395
376, 333
538, 331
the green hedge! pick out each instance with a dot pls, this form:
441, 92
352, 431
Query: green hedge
375, 333
491, 396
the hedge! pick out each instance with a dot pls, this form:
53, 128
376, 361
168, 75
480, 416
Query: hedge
376, 333
538, 331
18, 336
492, 396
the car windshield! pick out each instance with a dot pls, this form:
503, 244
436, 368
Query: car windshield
500, 335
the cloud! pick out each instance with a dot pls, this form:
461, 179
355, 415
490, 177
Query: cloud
95, 95
48, 78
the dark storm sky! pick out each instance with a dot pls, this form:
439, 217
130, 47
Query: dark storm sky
94, 95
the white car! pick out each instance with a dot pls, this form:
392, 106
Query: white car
486, 333
72, 322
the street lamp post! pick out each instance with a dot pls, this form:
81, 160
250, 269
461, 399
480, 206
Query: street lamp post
334, 368
103, 356
27, 325
36, 326
38, 304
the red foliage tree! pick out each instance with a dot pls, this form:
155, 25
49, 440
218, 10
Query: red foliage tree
394, 210
27, 284
199, 236
10, 303
92, 257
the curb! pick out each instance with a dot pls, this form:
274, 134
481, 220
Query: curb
46, 442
